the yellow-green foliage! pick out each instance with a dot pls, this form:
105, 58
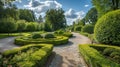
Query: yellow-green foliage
33, 55
107, 28
55, 41
94, 58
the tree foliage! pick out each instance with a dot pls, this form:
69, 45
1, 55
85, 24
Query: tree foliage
8, 25
27, 15
21, 25
91, 16
104, 6
56, 18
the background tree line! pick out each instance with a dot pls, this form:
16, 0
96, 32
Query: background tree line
13, 19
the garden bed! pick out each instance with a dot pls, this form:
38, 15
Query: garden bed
58, 40
34, 55
93, 55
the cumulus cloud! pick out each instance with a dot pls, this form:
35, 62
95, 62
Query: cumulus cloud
42, 6
86, 5
72, 15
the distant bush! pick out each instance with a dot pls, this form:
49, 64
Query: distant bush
107, 29
77, 28
31, 26
21, 25
8, 25
36, 35
63, 33
88, 29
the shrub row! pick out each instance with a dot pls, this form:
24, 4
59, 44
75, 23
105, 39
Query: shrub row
34, 55
55, 41
94, 58
63, 33
112, 52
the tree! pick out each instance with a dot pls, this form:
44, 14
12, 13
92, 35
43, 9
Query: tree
40, 19
91, 16
27, 15
56, 18
104, 6
8, 25
21, 25
31, 26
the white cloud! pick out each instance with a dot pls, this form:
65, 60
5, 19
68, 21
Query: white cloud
86, 5
42, 6
72, 15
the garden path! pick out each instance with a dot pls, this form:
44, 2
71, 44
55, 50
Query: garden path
7, 43
68, 55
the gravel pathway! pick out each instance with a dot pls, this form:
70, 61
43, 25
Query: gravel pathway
68, 55
7, 43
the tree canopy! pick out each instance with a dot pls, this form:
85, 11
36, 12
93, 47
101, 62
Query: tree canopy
56, 18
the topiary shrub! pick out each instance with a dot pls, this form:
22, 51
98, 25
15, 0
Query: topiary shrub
77, 28
88, 29
49, 35
107, 29
36, 35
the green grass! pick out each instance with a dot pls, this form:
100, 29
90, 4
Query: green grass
4, 35
94, 58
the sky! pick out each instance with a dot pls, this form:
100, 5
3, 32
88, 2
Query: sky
74, 9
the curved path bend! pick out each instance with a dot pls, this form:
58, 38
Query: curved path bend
7, 43
68, 55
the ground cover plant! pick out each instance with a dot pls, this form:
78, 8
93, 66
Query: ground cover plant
33, 55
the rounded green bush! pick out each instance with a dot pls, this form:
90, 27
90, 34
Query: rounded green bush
49, 35
113, 54
77, 28
59, 32
88, 29
36, 35
108, 51
107, 29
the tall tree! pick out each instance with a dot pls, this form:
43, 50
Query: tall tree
56, 18
40, 19
27, 15
91, 16
104, 6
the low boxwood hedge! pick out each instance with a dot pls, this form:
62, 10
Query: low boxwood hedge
93, 56
34, 55
55, 41
66, 34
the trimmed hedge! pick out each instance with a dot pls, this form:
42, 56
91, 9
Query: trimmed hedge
62, 33
107, 29
93, 56
88, 29
78, 28
34, 55
55, 41
49, 35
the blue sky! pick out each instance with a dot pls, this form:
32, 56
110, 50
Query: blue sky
74, 9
